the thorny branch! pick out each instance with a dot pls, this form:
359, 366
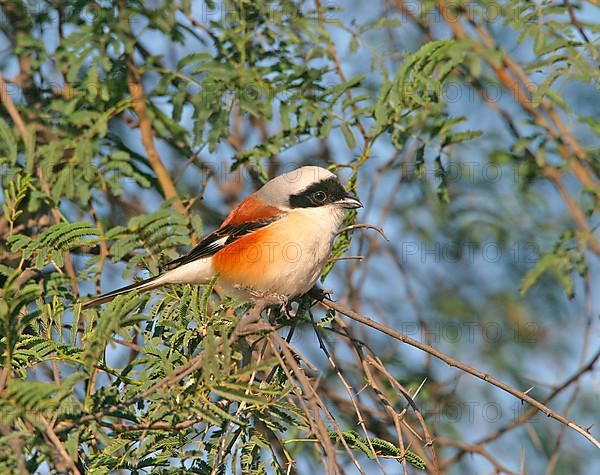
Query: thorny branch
462, 366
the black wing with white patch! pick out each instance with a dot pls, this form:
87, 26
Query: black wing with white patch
217, 240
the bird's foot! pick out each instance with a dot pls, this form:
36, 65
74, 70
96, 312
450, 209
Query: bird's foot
269, 299
320, 294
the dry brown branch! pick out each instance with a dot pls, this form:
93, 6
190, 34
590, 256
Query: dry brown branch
331, 51
145, 124
460, 365
512, 76
576, 212
16, 117
17, 445
373, 383
60, 448
12, 110
314, 398
222, 446
313, 416
139, 105
561, 132
379, 229
527, 415
347, 387
551, 173
378, 364
475, 449
575, 22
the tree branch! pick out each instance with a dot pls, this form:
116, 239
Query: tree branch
460, 365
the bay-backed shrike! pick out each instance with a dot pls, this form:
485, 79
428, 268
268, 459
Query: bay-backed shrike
274, 243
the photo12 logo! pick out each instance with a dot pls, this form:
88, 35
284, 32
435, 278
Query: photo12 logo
468, 251
470, 332
472, 412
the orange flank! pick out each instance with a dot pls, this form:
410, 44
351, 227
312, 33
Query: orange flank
269, 256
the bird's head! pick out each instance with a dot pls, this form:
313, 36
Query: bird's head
307, 187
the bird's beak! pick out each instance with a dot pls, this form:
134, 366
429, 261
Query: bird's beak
349, 202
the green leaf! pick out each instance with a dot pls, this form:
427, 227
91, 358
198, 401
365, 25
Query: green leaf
348, 135
558, 265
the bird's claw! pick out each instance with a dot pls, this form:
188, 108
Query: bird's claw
320, 294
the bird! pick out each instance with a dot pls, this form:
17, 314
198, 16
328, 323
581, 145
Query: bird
273, 244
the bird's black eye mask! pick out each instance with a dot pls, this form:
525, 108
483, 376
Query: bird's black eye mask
319, 194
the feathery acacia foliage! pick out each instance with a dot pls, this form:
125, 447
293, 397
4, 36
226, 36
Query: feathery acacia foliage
469, 129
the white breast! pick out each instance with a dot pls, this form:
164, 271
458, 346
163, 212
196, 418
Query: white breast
306, 251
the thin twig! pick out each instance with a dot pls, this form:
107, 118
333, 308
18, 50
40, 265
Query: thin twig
60, 448
139, 105
377, 363
364, 226
346, 385
12, 110
532, 411
460, 365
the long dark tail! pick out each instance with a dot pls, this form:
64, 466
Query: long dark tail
144, 285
